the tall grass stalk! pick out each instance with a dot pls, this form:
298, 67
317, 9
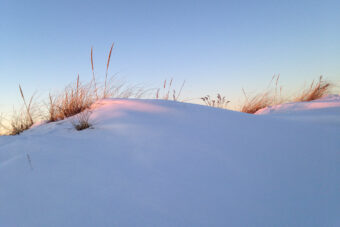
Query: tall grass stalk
93, 74
105, 95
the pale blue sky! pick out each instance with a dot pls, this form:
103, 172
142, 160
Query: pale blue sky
216, 46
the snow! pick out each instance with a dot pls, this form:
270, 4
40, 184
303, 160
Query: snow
324, 110
163, 163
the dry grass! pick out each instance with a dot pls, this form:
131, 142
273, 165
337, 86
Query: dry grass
219, 102
264, 99
20, 120
315, 91
272, 97
28, 107
119, 89
75, 99
257, 102
78, 97
168, 92
19, 123
24, 119
93, 75
105, 91
82, 120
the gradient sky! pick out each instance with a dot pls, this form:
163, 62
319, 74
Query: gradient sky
216, 46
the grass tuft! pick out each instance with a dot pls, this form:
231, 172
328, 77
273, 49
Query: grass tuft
263, 99
269, 97
315, 91
19, 124
75, 99
78, 97
22, 120
257, 102
81, 121
168, 92
219, 102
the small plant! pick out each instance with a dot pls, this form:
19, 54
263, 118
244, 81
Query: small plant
264, 99
81, 120
315, 91
75, 99
167, 93
269, 97
19, 124
257, 102
78, 97
219, 102
22, 120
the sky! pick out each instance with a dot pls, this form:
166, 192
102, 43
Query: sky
215, 46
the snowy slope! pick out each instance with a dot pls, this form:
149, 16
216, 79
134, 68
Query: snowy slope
162, 163
325, 110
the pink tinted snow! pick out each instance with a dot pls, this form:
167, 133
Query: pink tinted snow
117, 107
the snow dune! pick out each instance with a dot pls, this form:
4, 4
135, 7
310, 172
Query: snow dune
162, 163
325, 110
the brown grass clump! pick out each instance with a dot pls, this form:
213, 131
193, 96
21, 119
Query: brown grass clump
75, 99
22, 120
167, 92
78, 97
315, 91
18, 124
219, 102
264, 99
81, 121
257, 102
